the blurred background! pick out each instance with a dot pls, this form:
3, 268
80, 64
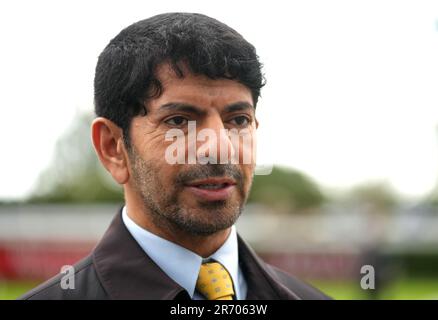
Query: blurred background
348, 118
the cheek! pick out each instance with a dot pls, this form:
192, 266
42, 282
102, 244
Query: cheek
246, 144
248, 172
167, 174
150, 141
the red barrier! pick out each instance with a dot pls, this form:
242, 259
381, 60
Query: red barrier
31, 260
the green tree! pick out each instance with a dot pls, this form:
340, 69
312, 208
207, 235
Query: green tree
379, 196
286, 189
75, 174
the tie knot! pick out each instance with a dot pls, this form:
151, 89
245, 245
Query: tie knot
214, 282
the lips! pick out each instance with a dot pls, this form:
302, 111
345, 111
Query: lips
212, 186
212, 189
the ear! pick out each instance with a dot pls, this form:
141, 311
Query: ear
108, 141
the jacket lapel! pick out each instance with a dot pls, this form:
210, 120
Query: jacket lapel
126, 272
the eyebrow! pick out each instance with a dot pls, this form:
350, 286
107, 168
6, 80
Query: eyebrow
238, 106
184, 107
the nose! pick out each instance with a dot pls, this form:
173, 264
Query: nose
213, 143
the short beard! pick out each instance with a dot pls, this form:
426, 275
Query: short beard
166, 211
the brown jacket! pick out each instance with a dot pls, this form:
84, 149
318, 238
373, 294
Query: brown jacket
118, 268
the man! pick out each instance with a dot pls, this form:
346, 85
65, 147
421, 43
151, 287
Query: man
189, 77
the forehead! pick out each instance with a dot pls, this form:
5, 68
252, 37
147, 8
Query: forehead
198, 90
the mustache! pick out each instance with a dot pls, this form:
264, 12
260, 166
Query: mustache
205, 171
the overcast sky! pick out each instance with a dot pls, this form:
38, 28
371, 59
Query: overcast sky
351, 91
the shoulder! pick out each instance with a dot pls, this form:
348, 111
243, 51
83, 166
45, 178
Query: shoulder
86, 285
304, 290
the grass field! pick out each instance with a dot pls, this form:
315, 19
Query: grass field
403, 289
419, 288
13, 289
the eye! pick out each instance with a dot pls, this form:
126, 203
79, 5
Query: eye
177, 121
241, 121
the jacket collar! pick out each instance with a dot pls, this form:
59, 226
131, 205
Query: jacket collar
127, 272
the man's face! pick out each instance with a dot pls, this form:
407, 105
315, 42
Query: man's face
197, 198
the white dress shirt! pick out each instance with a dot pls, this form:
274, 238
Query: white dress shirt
182, 265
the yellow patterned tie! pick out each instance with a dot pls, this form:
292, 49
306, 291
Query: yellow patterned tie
214, 282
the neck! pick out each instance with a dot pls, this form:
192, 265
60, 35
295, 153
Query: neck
203, 245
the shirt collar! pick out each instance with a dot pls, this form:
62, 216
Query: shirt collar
179, 263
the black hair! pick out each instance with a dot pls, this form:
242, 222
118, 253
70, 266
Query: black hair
125, 73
